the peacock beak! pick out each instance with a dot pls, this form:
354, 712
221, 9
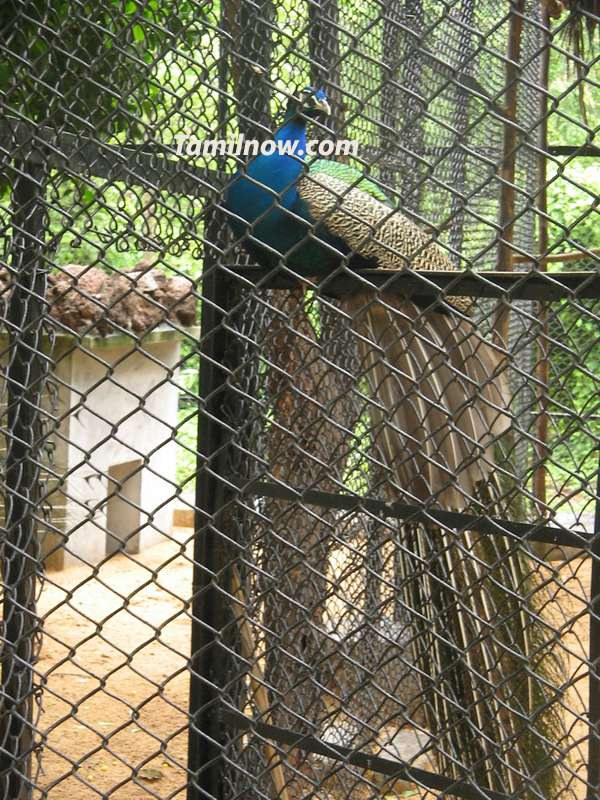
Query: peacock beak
321, 105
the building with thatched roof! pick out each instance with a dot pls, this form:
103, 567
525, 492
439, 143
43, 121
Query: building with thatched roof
114, 345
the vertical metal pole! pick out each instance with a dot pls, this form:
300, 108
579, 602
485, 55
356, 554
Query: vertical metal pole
324, 52
208, 662
390, 102
411, 111
542, 366
593, 792
211, 553
460, 123
21, 481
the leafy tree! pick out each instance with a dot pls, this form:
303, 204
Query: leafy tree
88, 65
573, 210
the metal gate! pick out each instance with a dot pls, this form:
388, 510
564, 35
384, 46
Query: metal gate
243, 554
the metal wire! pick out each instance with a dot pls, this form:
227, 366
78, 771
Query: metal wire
272, 535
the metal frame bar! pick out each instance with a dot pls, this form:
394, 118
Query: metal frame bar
25, 373
357, 758
593, 777
586, 150
209, 609
428, 285
74, 153
527, 531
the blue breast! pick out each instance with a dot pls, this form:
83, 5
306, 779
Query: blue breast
262, 194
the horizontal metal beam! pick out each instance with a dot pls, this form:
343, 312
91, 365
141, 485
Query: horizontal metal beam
366, 761
574, 150
136, 166
527, 531
428, 284
82, 155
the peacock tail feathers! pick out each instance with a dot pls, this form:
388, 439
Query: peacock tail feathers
384, 237
440, 400
439, 404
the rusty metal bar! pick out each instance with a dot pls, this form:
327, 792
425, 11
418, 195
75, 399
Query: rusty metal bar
508, 164
542, 366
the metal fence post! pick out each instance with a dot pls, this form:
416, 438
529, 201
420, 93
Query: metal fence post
21, 482
211, 553
593, 791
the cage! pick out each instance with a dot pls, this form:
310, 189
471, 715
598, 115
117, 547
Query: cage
391, 586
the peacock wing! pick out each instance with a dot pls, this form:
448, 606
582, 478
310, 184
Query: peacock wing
355, 209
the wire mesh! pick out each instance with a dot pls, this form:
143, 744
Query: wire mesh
283, 520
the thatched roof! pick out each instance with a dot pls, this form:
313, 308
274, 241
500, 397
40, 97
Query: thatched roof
87, 298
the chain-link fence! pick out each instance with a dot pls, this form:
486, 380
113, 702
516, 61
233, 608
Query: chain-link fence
300, 461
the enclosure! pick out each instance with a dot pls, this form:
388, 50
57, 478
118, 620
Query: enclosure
391, 586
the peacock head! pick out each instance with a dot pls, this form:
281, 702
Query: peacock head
311, 103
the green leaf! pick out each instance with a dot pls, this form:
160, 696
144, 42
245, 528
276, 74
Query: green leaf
87, 195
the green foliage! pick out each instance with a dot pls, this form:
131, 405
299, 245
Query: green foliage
357, 475
117, 71
85, 66
574, 354
566, 123
187, 422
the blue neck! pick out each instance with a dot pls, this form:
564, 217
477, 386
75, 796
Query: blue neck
293, 130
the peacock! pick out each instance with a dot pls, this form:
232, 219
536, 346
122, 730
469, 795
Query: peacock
439, 405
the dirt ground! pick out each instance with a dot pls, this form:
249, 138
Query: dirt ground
567, 612
114, 713
114, 660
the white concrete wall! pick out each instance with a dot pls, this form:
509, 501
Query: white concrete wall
108, 425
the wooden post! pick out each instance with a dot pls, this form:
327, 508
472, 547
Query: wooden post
509, 154
541, 372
